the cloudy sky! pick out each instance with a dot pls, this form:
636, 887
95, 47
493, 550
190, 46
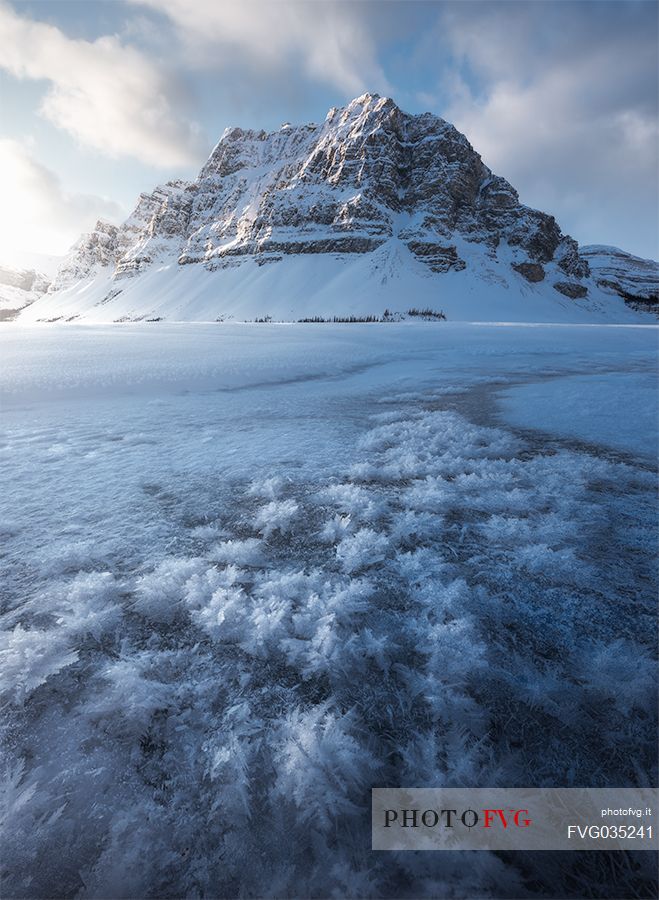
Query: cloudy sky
101, 100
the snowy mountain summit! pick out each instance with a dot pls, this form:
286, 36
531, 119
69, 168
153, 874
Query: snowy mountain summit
373, 208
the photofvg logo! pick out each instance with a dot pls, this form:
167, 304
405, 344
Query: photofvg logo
514, 819
452, 818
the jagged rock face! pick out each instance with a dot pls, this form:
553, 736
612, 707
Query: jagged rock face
437, 257
155, 226
370, 173
88, 255
571, 289
533, 272
634, 279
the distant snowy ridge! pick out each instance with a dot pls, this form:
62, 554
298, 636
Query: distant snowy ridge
634, 279
18, 289
373, 208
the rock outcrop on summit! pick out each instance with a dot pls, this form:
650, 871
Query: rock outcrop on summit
373, 207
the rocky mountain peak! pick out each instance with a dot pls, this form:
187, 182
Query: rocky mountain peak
370, 179
368, 108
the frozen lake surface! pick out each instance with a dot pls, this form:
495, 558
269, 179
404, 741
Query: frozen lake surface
615, 409
251, 571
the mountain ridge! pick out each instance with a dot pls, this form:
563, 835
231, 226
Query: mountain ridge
406, 193
18, 289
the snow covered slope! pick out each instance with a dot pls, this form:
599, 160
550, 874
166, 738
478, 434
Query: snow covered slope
373, 208
18, 289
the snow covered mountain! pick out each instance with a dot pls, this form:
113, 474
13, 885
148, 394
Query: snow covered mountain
373, 208
18, 289
619, 273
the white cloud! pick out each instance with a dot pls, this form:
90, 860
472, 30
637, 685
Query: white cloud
564, 106
327, 42
36, 212
107, 95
